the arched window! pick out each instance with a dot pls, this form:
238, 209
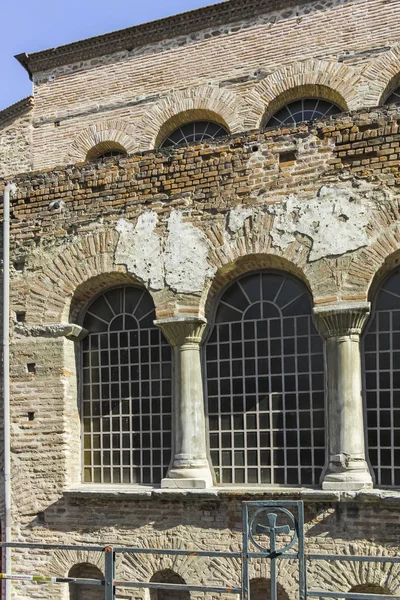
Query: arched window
265, 384
196, 131
394, 97
105, 149
381, 343
305, 109
79, 591
126, 390
168, 576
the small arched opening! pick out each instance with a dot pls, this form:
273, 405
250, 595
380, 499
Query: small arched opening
370, 588
168, 576
85, 591
104, 150
260, 589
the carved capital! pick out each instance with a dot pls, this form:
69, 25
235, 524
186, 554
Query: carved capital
342, 319
181, 331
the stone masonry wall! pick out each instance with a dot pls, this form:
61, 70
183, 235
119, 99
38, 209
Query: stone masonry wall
15, 144
237, 74
320, 201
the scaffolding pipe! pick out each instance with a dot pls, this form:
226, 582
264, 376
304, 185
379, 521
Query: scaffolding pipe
9, 189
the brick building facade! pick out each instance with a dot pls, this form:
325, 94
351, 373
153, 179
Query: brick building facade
205, 290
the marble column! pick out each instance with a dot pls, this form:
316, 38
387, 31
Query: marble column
341, 326
190, 467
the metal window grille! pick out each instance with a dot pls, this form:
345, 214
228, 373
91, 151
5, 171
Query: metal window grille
126, 391
196, 131
265, 385
381, 345
306, 109
394, 97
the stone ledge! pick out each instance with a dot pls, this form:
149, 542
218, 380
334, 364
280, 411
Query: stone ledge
308, 495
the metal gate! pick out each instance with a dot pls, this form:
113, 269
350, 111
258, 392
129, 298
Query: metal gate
272, 530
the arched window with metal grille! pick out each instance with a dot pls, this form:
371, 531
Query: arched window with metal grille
195, 131
381, 345
265, 384
305, 109
126, 390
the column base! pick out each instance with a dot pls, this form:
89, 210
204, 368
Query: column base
188, 478
347, 474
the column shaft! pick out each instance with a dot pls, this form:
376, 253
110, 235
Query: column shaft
190, 467
341, 326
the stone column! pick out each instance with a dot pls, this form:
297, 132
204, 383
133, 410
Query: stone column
341, 326
190, 467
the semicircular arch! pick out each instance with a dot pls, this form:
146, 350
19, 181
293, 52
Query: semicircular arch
104, 136
179, 107
382, 76
314, 78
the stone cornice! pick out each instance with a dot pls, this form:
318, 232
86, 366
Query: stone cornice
183, 331
16, 109
342, 319
186, 23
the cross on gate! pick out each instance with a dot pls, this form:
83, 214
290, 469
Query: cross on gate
273, 530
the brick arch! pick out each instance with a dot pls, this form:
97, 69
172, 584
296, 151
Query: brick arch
382, 77
179, 107
139, 567
343, 576
68, 279
113, 134
316, 78
371, 265
251, 248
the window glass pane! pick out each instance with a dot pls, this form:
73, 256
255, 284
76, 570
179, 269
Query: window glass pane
306, 109
196, 131
263, 369
132, 353
382, 382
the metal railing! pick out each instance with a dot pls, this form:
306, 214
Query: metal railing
273, 531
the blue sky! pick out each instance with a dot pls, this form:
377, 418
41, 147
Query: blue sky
33, 25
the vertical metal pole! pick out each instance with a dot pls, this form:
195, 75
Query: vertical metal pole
245, 553
302, 560
274, 590
109, 572
9, 188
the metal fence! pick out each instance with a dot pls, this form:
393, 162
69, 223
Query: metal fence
272, 530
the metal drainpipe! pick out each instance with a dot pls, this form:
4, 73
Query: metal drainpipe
8, 190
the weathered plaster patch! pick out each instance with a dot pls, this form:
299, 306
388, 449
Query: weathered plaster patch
237, 216
140, 249
335, 221
186, 250
180, 262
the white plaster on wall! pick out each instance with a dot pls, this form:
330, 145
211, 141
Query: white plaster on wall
140, 249
186, 250
180, 262
237, 216
335, 221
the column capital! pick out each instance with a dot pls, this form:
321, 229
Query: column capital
342, 319
183, 330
